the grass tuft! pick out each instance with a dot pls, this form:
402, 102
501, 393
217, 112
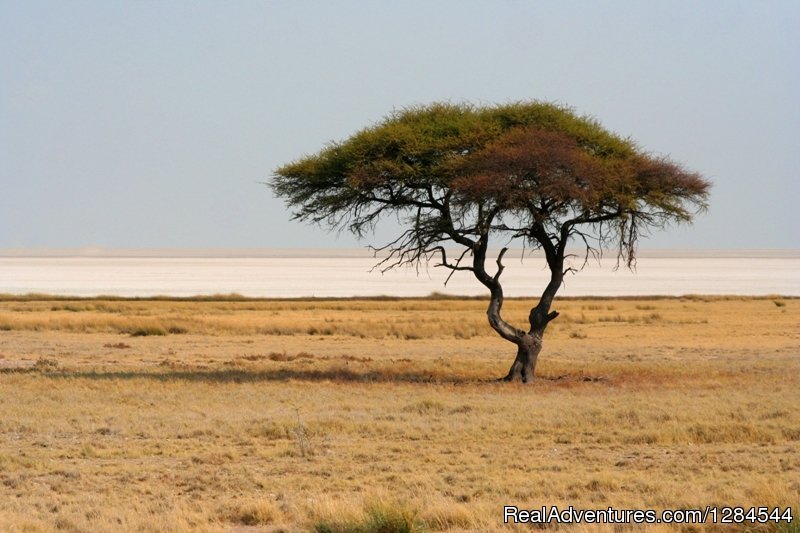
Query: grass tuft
377, 518
43, 364
426, 406
253, 513
117, 345
148, 331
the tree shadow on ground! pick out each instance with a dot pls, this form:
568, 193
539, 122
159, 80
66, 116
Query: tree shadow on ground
282, 375
258, 376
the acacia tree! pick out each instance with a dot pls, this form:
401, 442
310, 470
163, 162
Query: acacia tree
462, 176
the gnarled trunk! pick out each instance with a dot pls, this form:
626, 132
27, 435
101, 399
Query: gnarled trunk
524, 366
528, 344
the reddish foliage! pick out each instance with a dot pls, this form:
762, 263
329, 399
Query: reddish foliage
529, 165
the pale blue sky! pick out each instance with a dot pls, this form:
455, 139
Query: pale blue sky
151, 124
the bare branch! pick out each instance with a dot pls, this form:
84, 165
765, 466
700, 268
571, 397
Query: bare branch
453, 267
500, 266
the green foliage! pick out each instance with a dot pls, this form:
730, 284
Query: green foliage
440, 166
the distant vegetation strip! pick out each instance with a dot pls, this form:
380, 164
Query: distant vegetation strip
366, 318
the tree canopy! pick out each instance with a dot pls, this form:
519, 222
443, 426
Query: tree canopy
462, 175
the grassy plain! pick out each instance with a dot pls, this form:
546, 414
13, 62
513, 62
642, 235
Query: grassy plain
374, 415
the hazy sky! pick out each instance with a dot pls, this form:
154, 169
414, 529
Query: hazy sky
152, 124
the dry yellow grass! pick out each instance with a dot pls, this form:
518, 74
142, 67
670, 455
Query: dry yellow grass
290, 415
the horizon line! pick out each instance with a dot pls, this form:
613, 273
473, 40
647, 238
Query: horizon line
339, 252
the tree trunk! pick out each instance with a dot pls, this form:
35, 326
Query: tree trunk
524, 366
530, 344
